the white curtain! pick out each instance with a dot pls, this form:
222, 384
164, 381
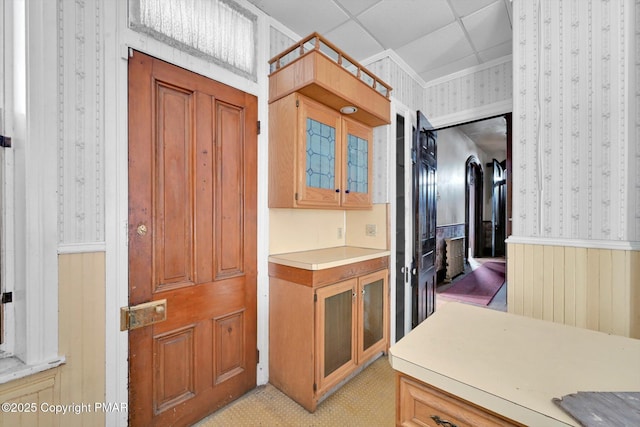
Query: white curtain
214, 27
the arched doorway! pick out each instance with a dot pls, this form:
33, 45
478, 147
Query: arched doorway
473, 207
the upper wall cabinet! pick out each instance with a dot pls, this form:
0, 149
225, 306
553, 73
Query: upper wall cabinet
320, 157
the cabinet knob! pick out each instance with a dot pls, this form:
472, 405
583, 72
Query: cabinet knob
337, 190
347, 191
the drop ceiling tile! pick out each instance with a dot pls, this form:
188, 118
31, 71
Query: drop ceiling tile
442, 47
467, 7
356, 6
499, 51
354, 41
488, 27
396, 22
452, 67
304, 16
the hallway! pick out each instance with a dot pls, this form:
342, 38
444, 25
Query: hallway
498, 302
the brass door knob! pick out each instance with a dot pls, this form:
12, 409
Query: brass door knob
141, 230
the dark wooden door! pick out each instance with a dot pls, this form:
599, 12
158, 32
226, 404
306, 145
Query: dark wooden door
424, 191
499, 212
192, 241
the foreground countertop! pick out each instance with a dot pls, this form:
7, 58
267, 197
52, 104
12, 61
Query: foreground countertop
321, 259
514, 365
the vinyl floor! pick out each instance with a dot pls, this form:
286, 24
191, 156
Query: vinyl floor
368, 399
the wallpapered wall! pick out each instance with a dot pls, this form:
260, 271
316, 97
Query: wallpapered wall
576, 124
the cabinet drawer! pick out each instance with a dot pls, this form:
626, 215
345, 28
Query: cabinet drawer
421, 405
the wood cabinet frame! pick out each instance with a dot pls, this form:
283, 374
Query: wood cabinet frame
287, 156
418, 404
296, 357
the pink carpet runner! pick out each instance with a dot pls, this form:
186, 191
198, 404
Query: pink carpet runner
479, 286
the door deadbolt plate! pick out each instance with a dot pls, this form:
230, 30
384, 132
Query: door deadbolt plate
144, 314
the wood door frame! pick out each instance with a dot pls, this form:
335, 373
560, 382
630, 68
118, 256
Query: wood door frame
403, 323
473, 165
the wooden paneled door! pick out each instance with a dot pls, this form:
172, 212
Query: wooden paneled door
192, 241
424, 193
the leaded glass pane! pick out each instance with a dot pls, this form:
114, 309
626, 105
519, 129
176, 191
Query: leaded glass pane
357, 164
321, 144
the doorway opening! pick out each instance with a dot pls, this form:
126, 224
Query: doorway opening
474, 196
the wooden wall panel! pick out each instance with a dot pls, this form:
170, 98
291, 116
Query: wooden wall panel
38, 389
81, 336
634, 279
528, 281
620, 295
558, 285
580, 269
569, 286
547, 284
81, 339
591, 288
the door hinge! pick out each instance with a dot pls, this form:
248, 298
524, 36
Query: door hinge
5, 141
258, 127
257, 356
297, 103
315, 387
7, 297
296, 196
315, 297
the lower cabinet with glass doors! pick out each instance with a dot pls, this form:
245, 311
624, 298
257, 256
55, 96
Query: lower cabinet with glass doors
324, 327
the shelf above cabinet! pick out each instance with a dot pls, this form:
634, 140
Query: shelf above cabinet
321, 71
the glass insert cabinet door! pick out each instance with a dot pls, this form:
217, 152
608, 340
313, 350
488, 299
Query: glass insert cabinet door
320, 155
336, 339
358, 164
373, 309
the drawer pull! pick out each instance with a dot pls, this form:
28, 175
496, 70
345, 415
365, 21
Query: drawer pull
442, 422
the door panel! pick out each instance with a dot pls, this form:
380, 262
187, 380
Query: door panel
192, 241
173, 210
229, 185
229, 338
175, 376
336, 333
357, 171
320, 131
424, 272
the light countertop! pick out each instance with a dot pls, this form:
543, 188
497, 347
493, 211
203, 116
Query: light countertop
321, 259
514, 365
